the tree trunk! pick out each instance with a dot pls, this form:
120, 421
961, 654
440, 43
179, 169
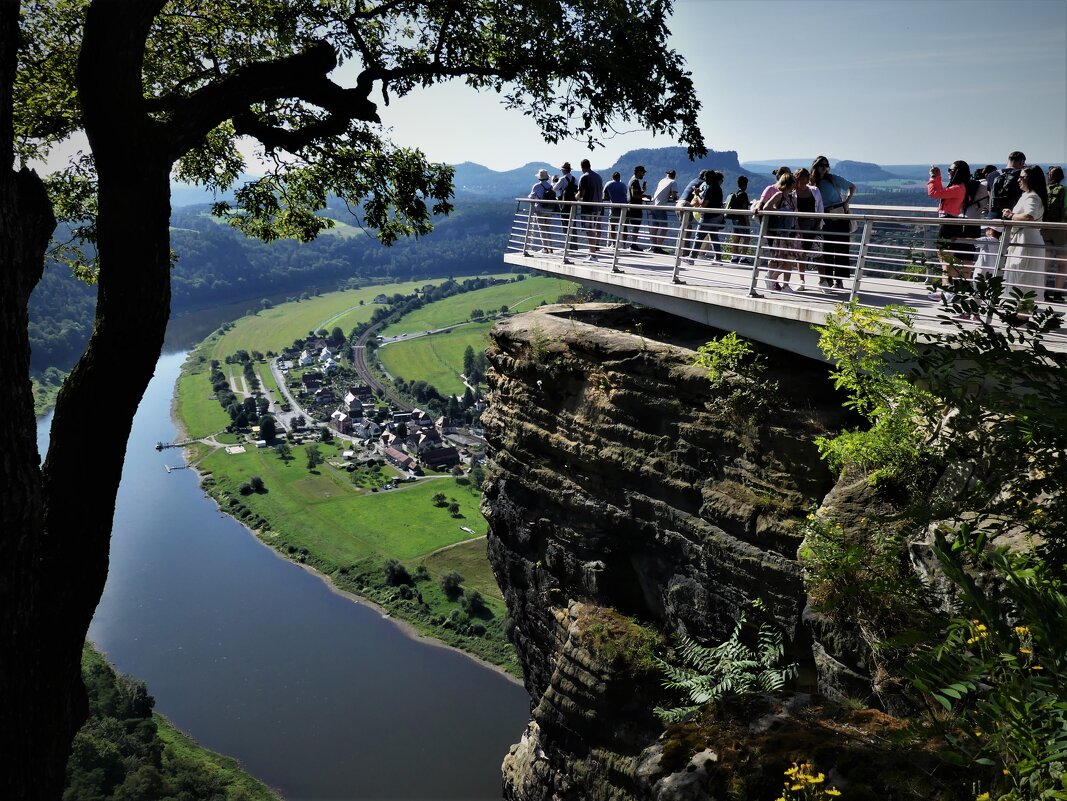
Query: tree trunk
57, 519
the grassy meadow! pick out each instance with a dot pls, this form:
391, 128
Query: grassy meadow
437, 359
277, 327
518, 296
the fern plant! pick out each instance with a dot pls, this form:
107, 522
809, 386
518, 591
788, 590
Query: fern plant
732, 669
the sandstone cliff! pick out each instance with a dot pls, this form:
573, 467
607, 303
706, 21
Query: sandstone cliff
624, 506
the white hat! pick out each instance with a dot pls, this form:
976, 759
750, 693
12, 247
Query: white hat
542, 175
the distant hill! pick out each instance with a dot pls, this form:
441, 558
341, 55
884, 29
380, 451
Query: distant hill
857, 171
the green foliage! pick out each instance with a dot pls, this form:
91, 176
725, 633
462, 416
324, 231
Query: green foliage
314, 456
1000, 670
395, 573
868, 348
735, 372
987, 402
451, 584
732, 669
472, 603
862, 575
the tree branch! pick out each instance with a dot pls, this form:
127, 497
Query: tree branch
302, 75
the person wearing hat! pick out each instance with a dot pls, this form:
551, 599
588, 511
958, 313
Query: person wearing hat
544, 211
635, 191
566, 187
665, 194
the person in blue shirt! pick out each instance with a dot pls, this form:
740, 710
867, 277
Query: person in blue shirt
615, 192
836, 193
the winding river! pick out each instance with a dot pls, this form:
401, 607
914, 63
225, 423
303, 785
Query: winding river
317, 696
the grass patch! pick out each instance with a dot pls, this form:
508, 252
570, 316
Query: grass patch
179, 747
437, 359
517, 296
276, 328
199, 413
470, 561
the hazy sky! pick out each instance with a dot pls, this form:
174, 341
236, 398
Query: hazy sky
888, 81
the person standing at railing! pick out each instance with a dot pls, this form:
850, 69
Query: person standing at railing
1025, 268
615, 193
809, 200
1004, 189
1055, 238
739, 227
951, 201
566, 188
836, 194
544, 211
635, 191
665, 194
591, 191
711, 216
781, 232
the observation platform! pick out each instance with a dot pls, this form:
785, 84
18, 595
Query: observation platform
889, 257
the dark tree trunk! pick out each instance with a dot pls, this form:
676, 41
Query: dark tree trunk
57, 519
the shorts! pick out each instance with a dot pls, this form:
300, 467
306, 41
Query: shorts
1056, 238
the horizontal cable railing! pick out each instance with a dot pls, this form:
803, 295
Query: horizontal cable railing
875, 255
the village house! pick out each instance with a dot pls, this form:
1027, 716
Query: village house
440, 458
366, 428
444, 425
341, 422
306, 359
325, 395
421, 418
399, 459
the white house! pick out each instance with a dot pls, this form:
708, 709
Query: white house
325, 355
306, 359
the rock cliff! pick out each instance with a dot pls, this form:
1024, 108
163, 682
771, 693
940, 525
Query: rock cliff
624, 506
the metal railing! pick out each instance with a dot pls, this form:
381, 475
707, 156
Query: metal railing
874, 255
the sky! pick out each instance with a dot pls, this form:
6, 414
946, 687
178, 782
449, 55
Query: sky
885, 81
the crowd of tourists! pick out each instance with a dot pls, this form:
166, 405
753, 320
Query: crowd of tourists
804, 215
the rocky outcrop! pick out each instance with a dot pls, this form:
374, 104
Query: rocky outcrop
626, 504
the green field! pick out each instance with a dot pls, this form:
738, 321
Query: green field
517, 296
322, 511
436, 359
276, 328
198, 411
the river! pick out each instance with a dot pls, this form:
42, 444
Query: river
257, 658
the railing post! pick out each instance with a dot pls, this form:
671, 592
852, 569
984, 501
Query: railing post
752, 293
618, 237
861, 257
679, 244
567, 235
529, 224
998, 268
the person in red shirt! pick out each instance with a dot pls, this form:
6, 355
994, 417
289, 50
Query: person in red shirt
951, 202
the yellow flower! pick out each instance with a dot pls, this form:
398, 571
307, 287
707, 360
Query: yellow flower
1025, 651
796, 787
833, 791
819, 778
791, 772
1036, 667
982, 797
1020, 630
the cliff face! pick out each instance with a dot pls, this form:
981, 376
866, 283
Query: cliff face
625, 506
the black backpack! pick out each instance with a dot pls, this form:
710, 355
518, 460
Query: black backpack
570, 190
1005, 192
547, 198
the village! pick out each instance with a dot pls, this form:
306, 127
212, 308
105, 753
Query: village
320, 398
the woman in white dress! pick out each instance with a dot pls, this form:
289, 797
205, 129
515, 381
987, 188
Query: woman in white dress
1026, 266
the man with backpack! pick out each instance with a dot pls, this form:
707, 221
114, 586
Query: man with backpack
739, 222
543, 211
1005, 190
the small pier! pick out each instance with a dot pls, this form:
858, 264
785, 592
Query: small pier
163, 445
